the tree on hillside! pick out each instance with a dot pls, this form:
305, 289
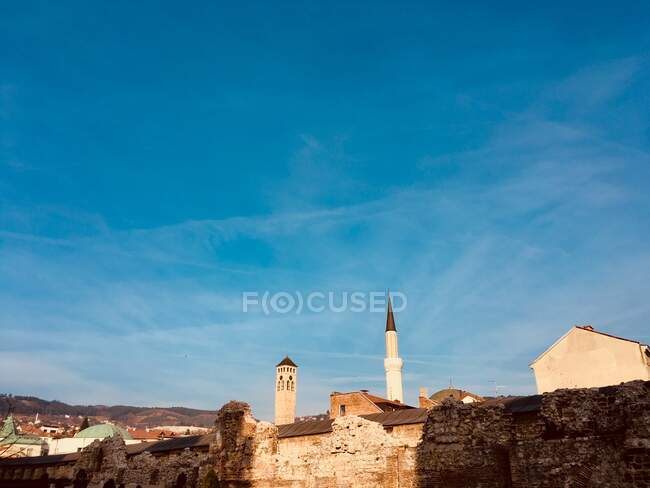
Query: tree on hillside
85, 424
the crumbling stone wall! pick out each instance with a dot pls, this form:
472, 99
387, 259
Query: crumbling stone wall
232, 452
357, 452
587, 437
463, 445
596, 437
105, 461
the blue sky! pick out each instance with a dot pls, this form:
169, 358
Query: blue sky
157, 159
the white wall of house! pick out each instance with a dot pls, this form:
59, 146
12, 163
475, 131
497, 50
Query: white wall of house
584, 359
21, 450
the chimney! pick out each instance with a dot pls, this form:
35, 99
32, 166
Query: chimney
587, 327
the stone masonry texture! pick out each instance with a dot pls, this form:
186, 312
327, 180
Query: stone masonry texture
598, 437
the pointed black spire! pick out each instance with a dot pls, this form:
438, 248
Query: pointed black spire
390, 320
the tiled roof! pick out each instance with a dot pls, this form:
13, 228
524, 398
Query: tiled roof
142, 434
387, 419
399, 417
379, 401
54, 459
179, 443
30, 429
287, 362
310, 427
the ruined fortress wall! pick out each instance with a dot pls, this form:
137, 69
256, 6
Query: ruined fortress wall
592, 437
596, 437
295, 446
357, 452
407, 435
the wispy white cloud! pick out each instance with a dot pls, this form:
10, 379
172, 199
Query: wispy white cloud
536, 230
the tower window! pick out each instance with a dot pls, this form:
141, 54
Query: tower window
341, 410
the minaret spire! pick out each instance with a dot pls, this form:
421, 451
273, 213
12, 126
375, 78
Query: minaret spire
392, 363
390, 320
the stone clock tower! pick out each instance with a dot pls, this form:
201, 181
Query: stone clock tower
286, 376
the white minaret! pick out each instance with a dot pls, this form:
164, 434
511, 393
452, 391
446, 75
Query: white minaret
392, 363
286, 380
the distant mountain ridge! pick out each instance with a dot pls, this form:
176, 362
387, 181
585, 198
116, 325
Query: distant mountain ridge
128, 415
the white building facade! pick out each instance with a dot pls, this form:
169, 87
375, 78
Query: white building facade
586, 358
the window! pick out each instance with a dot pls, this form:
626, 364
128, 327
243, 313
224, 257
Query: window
341, 410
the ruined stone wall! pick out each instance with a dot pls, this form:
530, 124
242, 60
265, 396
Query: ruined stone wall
357, 452
406, 435
589, 437
294, 446
597, 437
106, 461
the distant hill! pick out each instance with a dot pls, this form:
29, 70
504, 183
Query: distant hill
124, 414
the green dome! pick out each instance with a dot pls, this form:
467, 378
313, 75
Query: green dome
101, 431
